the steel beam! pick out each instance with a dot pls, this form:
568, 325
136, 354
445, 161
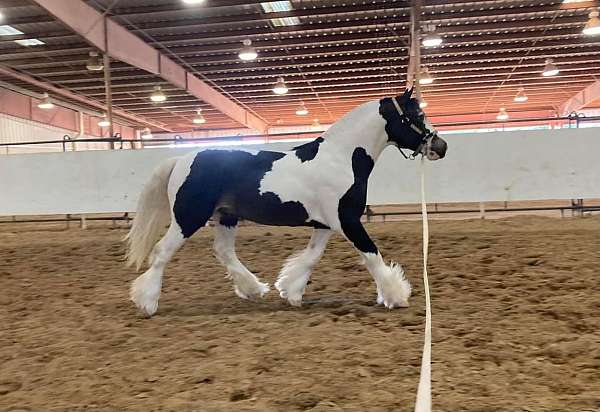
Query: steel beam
78, 98
118, 42
581, 99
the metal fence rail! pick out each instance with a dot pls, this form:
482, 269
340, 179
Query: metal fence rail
577, 208
574, 120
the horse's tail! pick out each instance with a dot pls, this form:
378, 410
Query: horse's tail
152, 215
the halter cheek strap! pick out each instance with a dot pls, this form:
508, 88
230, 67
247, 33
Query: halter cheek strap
407, 121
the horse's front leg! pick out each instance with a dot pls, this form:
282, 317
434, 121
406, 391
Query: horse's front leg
393, 289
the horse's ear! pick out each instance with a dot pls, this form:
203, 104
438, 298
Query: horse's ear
407, 94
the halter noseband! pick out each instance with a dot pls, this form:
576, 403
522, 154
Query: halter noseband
426, 135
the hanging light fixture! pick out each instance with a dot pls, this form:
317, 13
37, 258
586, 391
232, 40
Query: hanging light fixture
146, 134
432, 38
279, 87
94, 62
592, 27
301, 110
104, 121
423, 104
199, 119
502, 114
426, 77
158, 95
550, 69
46, 102
247, 53
521, 96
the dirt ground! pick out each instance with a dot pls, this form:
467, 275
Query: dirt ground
516, 317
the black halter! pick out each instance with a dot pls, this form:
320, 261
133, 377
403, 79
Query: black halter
426, 135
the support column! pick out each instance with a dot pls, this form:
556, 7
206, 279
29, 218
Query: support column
108, 93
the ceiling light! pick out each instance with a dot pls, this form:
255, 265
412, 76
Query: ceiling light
247, 53
29, 42
193, 1
592, 27
7, 30
521, 96
426, 77
550, 69
199, 119
94, 63
146, 134
46, 102
301, 110
280, 6
279, 121
502, 114
423, 104
104, 121
432, 39
316, 123
276, 6
158, 95
279, 87
285, 21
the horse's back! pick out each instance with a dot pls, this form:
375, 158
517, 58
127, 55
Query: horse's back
228, 181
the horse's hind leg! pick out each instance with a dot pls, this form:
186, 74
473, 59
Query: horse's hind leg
297, 269
145, 290
246, 285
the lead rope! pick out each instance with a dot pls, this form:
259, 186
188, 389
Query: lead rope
423, 403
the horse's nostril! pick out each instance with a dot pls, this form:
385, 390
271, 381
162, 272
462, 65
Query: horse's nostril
439, 146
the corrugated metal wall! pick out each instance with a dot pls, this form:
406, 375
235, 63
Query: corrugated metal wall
15, 130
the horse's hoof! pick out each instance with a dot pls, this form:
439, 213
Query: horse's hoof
144, 295
256, 294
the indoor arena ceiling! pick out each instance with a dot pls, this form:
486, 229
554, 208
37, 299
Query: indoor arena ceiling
332, 55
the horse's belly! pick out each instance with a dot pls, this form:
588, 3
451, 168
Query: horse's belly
268, 209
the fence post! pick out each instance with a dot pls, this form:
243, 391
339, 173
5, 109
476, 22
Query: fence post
127, 219
65, 139
83, 222
482, 210
369, 212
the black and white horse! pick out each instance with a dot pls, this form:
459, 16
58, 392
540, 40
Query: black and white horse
321, 184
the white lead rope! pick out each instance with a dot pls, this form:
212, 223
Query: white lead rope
423, 403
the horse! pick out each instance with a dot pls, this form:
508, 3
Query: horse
321, 184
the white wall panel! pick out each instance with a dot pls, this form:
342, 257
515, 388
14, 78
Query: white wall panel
16, 130
523, 165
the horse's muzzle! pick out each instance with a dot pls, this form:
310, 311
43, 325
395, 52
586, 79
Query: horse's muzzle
436, 149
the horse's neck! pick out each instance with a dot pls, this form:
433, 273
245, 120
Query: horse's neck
362, 127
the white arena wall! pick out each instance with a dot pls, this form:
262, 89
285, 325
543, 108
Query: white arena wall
497, 166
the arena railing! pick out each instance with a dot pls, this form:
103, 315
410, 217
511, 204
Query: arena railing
577, 208
574, 120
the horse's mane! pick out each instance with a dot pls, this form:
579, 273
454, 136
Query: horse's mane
310, 144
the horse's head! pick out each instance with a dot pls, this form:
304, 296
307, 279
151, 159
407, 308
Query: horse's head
407, 126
